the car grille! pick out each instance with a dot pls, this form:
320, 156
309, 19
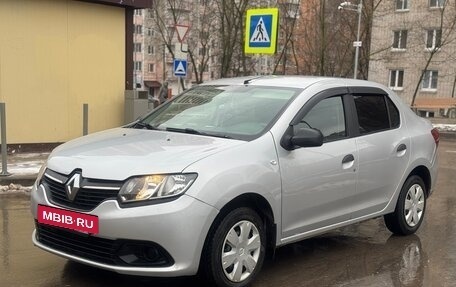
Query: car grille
81, 245
91, 193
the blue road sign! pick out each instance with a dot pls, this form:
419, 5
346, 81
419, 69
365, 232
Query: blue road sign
180, 68
261, 31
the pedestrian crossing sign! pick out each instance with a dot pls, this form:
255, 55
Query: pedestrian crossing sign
261, 31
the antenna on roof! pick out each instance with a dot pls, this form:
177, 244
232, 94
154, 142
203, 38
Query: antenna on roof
246, 82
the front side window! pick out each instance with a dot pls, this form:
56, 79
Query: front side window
433, 39
436, 3
396, 81
429, 81
372, 113
401, 5
328, 117
400, 39
240, 112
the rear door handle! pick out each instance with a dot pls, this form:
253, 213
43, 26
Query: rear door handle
401, 150
401, 147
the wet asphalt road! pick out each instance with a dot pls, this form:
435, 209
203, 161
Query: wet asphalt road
364, 254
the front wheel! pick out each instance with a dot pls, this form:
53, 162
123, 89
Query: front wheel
410, 207
236, 248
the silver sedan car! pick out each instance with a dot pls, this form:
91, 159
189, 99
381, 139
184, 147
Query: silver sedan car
215, 179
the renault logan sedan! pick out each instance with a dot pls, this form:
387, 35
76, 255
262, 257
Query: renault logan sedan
222, 174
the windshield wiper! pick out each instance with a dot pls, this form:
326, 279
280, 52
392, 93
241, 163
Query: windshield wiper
143, 125
196, 132
186, 130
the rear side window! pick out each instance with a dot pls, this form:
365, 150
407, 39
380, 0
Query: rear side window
372, 113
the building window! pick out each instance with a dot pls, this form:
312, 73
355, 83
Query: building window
137, 47
138, 12
151, 68
138, 66
396, 81
400, 39
433, 39
429, 81
436, 3
138, 29
151, 49
401, 4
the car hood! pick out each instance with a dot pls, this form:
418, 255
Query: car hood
123, 152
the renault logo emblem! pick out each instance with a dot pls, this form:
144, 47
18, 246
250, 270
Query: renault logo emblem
72, 186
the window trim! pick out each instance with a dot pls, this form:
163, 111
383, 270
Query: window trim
429, 88
402, 9
399, 41
434, 47
437, 6
396, 80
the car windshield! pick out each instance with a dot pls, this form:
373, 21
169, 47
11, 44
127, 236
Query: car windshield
240, 112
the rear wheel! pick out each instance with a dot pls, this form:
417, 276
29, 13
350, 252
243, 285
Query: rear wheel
410, 208
236, 248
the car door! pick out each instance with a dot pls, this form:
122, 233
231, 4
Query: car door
384, 149
318, 183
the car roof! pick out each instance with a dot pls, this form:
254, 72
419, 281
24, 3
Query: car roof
290, 81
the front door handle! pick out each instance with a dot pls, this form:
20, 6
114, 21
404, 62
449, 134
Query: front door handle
348, 158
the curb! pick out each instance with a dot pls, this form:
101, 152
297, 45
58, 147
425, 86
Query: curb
22, 179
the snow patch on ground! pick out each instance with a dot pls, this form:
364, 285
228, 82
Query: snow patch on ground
25, 167
446, 127
14, 188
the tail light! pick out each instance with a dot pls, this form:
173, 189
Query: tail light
436, 135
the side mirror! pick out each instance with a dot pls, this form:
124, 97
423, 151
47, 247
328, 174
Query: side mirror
304, 137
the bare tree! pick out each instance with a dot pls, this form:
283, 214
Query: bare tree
289, 15
201, 36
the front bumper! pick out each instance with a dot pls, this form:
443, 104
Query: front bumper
179, 226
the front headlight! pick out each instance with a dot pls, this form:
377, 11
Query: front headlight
155, 187
41, 173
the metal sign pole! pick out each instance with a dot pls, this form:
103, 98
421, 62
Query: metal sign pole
3, 138
85, 119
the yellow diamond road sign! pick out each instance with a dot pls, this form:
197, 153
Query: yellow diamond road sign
261, 31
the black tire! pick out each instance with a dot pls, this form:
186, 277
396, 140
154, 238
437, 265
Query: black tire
396, 221
212, 267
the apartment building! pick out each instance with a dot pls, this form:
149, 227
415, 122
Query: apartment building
156, 44
413, 48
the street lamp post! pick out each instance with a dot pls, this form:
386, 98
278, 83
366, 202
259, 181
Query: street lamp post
357, 8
